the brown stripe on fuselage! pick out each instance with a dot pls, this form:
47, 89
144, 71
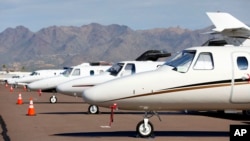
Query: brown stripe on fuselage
83, 85
184, 88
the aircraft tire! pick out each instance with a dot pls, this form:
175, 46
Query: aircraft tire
144, 132
93, 109
53, 99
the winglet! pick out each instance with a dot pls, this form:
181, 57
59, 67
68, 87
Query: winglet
224, 21
234, 31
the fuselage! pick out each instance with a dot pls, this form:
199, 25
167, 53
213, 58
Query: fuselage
11, 77
201, 78
121, 69
34, 76
69, 74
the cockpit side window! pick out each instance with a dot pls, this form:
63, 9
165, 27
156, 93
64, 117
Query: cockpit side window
131, 68
76, 72
242, 63
204, 62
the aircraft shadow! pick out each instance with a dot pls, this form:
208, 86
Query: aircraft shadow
156, 133
64, 113
37, 102
86, 113
108, 113
229, 116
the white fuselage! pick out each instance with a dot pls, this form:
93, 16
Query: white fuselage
69, 74
207, 78
12, 76
121, 69
34, 76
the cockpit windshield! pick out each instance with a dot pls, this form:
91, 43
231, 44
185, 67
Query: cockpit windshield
67, 72
182, 61
34, 73
115, 69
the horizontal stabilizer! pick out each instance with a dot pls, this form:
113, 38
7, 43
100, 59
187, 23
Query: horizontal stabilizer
153, 55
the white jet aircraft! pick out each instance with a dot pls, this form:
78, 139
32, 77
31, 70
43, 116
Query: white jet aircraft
120, 69
199, 78
34, 76
82, 70
5, 76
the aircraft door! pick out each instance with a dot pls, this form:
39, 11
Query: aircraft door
241, 78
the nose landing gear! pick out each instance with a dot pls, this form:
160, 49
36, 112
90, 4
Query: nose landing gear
145, 128
93, 109
53, 99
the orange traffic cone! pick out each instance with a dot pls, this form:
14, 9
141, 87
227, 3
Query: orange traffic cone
6, 85
31, 110
19, 100
11, 89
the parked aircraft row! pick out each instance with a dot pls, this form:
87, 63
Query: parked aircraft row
198, 78
49, 84
75, 84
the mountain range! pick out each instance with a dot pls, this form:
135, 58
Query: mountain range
59, 46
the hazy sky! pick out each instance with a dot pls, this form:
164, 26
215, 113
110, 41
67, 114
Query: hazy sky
137, 14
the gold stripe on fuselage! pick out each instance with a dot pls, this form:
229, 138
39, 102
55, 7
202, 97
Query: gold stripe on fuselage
184, 88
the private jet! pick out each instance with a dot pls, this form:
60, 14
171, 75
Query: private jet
146, 62
5, 76
199, 78
34, 76
82, 70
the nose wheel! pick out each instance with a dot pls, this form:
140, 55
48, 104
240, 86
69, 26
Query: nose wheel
93, 109
53, 99
145, 128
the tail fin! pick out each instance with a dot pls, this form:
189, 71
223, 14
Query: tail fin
230, 27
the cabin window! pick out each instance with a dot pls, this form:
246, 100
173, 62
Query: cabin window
76, 72
242, 63
204, 62
92, 72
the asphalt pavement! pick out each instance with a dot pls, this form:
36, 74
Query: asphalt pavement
68, 120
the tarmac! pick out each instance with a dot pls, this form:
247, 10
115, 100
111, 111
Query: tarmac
68, 120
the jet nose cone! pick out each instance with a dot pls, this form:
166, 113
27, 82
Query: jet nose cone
32, 86
88, 96
62, 88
